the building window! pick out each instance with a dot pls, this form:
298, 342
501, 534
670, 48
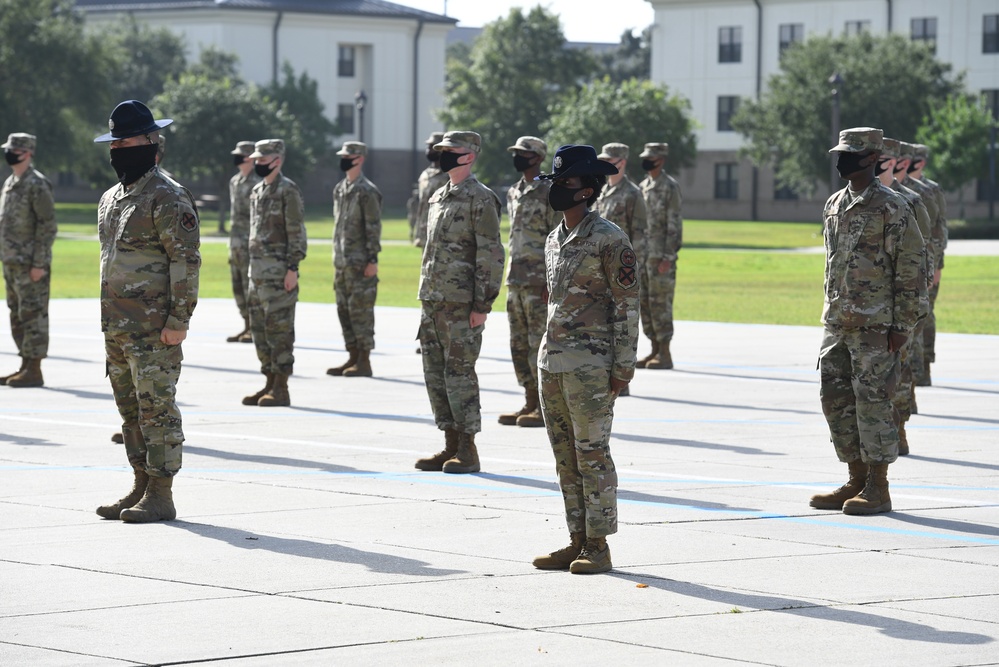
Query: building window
990, 34
857, 27
727, 105
791, 33
345, 118
345, 62
727, 180
925, 30
784, 193
992, 101
730, 45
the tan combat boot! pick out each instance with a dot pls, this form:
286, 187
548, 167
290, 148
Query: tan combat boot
156, 503
253, 398
510, 418
3, 379
663, 360
466, 459
278, 396
238, 338
874, 499
532, 417
594, 558
118, 437
853, 486
903, 441
362, 368
562, 559
113, 511
31, 376
652, 355
436, 462
337, 371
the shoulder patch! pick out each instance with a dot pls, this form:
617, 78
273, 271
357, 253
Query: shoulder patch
189, 221
628, 258
626, 277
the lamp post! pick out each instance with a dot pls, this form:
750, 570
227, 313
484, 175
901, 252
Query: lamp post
360, 101
836, 81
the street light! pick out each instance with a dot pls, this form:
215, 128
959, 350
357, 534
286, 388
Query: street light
360, 101
836, 81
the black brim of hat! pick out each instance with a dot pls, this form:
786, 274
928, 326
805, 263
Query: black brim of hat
582, 168
111, 136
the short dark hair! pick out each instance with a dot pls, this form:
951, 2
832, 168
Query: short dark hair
595, 181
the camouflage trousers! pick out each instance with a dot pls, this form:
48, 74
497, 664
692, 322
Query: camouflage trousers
29, 310
272, 323
901, 398
579, 409
930, 328
239, 271
355, 306
859, 376
656, 303
527, 313
917, 350
144, 373
450, 349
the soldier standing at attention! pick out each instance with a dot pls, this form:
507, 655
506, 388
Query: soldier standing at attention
357, 215
149, 233
663, 239
277, 246
873, 291
240, 187
459, 280
587, 355
431, 180
27, 232
531, 220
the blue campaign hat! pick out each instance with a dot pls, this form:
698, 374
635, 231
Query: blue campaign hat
571, 160
131, 118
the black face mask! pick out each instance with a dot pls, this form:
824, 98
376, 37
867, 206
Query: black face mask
914, 167
898, 169
449, 160
882, 167
263, 170
238, 160
12, 157
521, 163
433, 156
561, 198
648, 165
849, 163
133, 162
346, 164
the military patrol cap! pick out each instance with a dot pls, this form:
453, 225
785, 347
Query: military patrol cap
21, 141
267, 147
922, 151
891, 148
655, 151
434, 138
353, 148
243, 148
573, 160
531, 145
460, 139
906, 151
859, 140
131, 118
614, 151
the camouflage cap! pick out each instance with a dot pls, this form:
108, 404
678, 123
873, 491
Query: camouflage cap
434, 138
906, 151
531, 145
20, 141
243, 148
922, 151
891, 148
613, 152
353, 148
859, 140
471, 141
267, 147
655, 151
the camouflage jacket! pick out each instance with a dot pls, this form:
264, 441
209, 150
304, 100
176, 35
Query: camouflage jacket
592, 277
873, 256
463, 257
277, 228
357, 216
240, 188
922, 218
531, 220
939, 235
150, 261
431, 180
27, 220
624, 205
664, 228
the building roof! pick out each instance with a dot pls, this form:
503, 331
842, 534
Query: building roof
371, 8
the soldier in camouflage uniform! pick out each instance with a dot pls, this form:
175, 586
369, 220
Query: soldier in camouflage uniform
663, 239
459, 280
27, 232
277, 246
357, 215
150, 234
531, 220
431, 180
587, 355
240, 186
873, 290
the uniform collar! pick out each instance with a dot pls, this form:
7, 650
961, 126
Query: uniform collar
584, 228
462, 188
138, 186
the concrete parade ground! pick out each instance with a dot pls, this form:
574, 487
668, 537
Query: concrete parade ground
305, 536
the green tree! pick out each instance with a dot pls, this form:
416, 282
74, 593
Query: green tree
516, 67
633, 113
891, 82
957, 134
298, 97
631, 59
145, 59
